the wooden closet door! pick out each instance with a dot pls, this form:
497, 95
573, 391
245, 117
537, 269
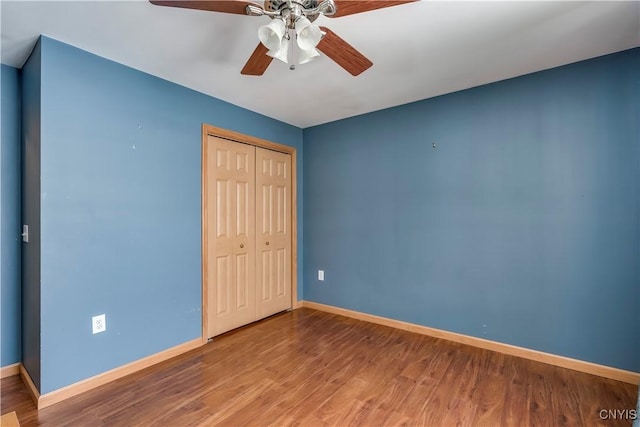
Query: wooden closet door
273, 234
230, 211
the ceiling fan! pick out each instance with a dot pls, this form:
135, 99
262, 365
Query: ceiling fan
293, 19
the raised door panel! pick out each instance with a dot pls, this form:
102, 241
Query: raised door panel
273, 234
230, 215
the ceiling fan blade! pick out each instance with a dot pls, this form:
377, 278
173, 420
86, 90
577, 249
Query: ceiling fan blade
225, 6
258, 62
350, 7
343, 53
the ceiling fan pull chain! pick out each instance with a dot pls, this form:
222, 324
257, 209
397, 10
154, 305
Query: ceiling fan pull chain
292, 58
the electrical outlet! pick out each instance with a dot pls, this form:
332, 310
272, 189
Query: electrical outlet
99, 323
321, 275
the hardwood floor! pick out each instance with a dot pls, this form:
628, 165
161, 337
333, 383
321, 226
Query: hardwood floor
308, 368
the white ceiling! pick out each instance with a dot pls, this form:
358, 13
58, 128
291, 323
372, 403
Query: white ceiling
419, 50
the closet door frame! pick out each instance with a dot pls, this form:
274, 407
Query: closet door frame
208, 130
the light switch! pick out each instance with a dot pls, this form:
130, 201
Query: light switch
321, 275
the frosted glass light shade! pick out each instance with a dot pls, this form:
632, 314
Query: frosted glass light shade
308, 34
271, 35
281, 52
305, 56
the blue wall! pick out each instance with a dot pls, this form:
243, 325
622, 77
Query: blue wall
31, 80
522, 226
10, 345
120, 210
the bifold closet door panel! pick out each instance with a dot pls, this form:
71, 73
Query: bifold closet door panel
273, 232
231, 250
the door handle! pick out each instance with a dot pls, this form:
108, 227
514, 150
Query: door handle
267, 243
241, 245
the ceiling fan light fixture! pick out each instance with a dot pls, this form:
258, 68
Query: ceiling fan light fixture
308, 34
294, 18
281, 53
272, 34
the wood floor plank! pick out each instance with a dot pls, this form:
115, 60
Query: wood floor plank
566, 403
516, 393
540, 397
345, 397
489, 400
309, 368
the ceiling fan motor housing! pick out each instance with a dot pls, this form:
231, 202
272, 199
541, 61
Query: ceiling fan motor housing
295, 8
